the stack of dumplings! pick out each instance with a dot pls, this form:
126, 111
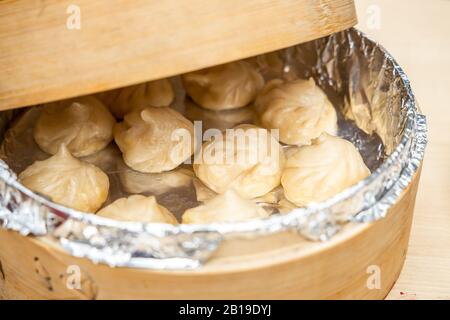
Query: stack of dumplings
291, 158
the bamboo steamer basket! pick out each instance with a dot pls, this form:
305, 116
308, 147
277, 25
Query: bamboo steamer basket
178, 37
284, 266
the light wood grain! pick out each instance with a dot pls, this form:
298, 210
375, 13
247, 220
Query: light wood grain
280, 266
417, 34
126, 42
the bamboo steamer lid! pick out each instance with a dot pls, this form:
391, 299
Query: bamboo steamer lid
54, 50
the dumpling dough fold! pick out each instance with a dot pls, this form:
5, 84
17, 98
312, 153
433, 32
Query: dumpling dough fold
299, 109
222, 87
83, 124
158, 93
221, 120
234, 161
68, 181
317, 172
138, 208
227, 207
155, 183
155, 139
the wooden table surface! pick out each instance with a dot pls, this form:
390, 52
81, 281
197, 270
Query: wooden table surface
417, 34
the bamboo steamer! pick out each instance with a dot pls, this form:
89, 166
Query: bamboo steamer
119, 45
280, 266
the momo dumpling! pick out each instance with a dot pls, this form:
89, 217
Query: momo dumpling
221, 120
154, 139
155, 183
227, 207
68, 181
247, 159
158, 93
273, 65
321, 170
299, 109
138, 208
222, 87
83, 124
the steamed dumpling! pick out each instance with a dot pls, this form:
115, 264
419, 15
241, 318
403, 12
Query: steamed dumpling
68, 181
227, 207
221, 120
249, 161
273, 65
226, 86
317, 172
158, 93
83, 124
138, 208
154, 139
155, 183
299, 109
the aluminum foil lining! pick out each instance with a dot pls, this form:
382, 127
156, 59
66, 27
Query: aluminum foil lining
377, 112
